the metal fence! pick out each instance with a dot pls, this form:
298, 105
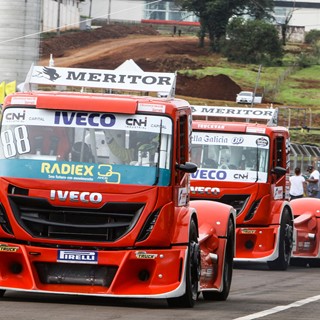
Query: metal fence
303, 155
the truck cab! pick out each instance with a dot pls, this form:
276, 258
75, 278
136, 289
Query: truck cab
95, 191
243, 160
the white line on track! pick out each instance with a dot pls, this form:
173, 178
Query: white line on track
264, 313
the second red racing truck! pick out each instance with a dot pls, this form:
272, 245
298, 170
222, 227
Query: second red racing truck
244, 163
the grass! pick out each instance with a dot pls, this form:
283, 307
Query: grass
297, 88
244, 75
283, 85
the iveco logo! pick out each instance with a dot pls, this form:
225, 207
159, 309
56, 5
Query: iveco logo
76, 196
205, 190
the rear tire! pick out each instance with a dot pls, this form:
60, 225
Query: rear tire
192, 272
2, 292
285, 243
227, 269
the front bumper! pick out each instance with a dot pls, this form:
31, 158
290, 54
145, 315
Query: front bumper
123, 273
257, 244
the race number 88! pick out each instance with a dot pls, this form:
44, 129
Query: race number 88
15, 141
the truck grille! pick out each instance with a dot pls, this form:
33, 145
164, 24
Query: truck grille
42, 220
76, 274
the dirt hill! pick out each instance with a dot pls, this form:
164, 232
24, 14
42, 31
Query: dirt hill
109, 46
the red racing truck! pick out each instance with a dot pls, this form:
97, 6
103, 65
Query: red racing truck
94, 193
245, 164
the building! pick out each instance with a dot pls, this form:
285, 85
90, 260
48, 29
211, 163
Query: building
305, 13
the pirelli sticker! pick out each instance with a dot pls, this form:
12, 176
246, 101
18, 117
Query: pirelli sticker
6, 248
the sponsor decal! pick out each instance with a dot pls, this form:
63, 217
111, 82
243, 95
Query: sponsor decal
205, 190
248, 231
219, 111
147, 107
212, 139
241, 176
237, 140
24, 100
278, 193
75, 256
145, 255
65, 168
262, 142
111, 79
182, 196
76, 196
133, 123
209, 174
6, 248
84, 119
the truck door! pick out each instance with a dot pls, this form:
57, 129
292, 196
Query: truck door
182, 156
279, 160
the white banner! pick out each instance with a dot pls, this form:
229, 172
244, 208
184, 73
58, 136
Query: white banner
229, 112
118, 79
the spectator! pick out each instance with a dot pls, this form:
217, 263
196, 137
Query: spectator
313, 182
174, 30
298, 185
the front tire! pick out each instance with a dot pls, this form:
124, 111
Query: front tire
192, 272
285, 243
227, 269
2, 292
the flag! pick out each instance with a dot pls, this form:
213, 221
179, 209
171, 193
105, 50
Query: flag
2, 93
11, 87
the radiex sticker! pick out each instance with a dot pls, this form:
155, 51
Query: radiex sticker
6, 248
145, 255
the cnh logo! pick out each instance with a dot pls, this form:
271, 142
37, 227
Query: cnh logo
16, 116
137, 122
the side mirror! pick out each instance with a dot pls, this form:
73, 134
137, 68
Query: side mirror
279, 171
187, 167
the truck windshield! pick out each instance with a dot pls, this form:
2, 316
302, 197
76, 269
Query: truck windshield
230, 157
84, 146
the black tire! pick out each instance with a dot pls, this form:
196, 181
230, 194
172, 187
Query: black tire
285, 243
296, 262
192, 272
227, 269
2, 292
314, 263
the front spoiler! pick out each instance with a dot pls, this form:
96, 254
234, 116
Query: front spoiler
257, 244
152, 273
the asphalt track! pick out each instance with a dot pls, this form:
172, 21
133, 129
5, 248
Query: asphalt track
256, 293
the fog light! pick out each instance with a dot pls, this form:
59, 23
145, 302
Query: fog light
144, 275
249, 244
16, 268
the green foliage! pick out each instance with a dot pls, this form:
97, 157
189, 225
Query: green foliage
252, 41
312, 36
214, 15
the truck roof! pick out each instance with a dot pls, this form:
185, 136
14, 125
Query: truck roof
99, 102
245, 127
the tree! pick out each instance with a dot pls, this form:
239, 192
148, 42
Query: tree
252, 41
214, 15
